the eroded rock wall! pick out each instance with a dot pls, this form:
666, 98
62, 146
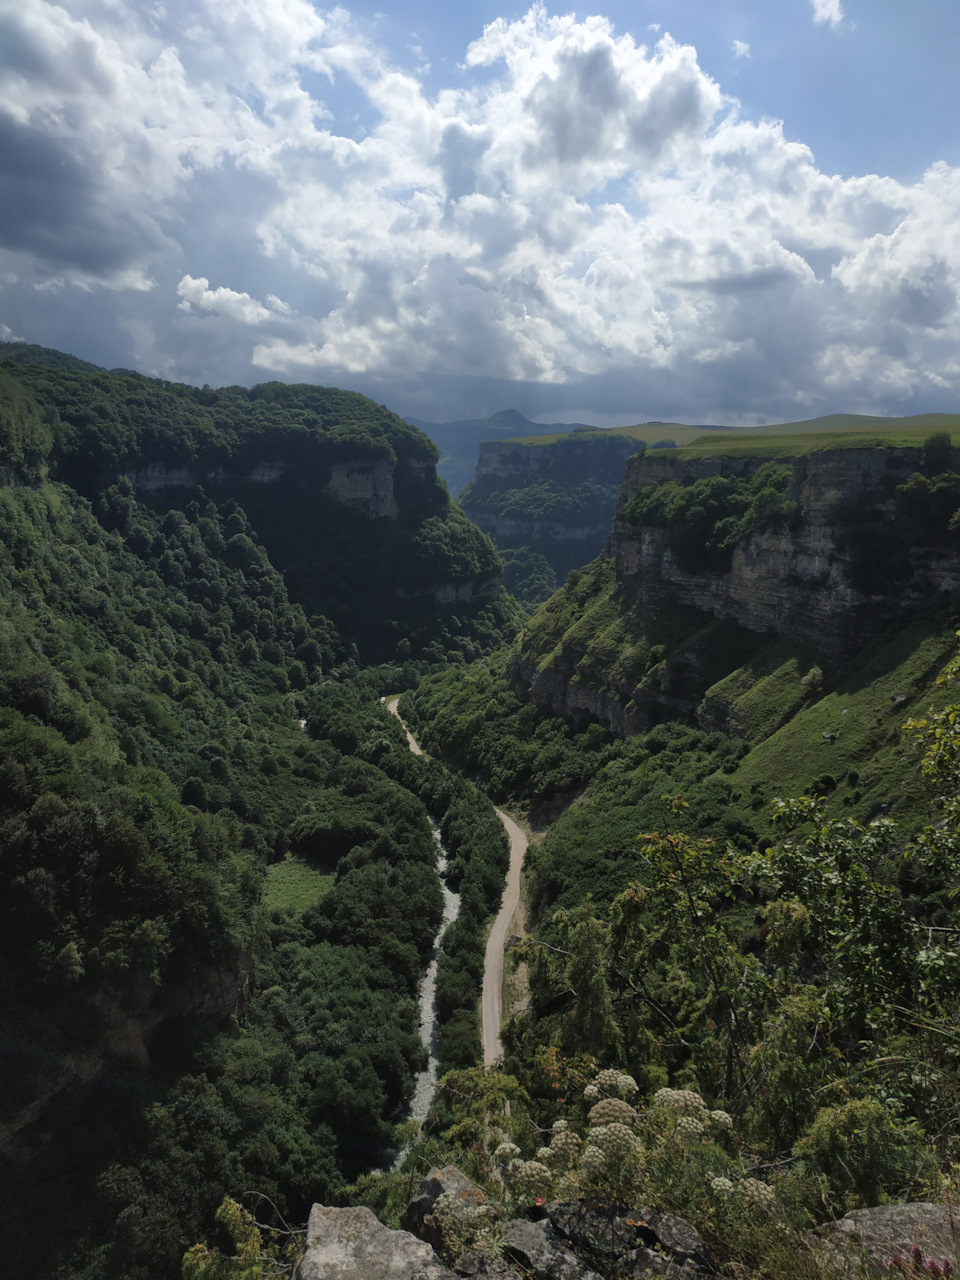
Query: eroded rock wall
794, 581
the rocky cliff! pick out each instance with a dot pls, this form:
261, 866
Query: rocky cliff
365, 485
796, 580
581, 1240
712, 554
553, 497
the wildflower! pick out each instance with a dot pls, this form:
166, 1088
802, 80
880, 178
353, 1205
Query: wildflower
593, 1159
565, 1146
545, 1153
591, 1093
506, 1152
560, 1126
532, 1178
722, 1119
721, 1187
756, 1192
615, 1139
679, 1100
610, 1111
612, 1081
689, 1127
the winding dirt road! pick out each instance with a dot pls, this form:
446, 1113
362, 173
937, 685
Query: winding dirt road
490, 1010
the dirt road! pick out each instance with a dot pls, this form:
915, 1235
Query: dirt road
490, 1011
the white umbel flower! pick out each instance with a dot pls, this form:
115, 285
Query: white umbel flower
756, 1192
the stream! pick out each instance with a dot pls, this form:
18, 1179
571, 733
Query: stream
426, 1080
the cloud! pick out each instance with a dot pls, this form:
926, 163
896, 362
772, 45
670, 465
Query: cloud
575, 214
196, 296
827, 11
741, 49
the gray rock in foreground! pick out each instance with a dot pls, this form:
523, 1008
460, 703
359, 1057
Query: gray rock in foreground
351, 1244
446, 1181
883, 1233
541, 1252
645, 1241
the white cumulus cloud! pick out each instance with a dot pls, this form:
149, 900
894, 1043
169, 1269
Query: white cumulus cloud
827, 11
575, 210
196, 295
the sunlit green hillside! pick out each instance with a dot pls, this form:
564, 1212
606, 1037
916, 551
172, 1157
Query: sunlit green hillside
838, 430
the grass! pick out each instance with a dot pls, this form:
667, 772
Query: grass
758, 697
835, 431
293, 885
852, 734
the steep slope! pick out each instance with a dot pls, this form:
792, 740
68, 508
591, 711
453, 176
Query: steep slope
708, 555
342, 493
547, 503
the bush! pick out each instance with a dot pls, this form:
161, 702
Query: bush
863, 1155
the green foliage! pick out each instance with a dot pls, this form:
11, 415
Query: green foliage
937, 452
863, 1155
26, 435
153, 673
528, 576
545, 497
244, 1263
707, 519
273, 450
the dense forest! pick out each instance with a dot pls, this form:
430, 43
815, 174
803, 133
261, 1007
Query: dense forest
737, 996
548, 504
219, 868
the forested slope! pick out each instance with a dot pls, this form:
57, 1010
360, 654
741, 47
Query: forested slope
744, 902
341, 493
169, 1034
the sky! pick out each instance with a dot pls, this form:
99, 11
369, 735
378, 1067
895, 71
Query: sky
728, 211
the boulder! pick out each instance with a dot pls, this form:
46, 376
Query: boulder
594, 1228
645, 1264
541, 1252
477, 1265
676, 1237
351, 1244
888, 1232
611, 1231
465, 1196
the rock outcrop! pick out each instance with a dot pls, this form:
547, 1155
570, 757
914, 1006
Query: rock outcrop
571, 1240
818, 579
795, 581
586, 1240
350, 1244
366, 485
904, 1235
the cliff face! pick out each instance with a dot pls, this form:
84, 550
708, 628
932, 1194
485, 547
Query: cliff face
364, 485
643, 638
554, 498
796, 581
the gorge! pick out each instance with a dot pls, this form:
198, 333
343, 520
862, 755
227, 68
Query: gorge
215, 927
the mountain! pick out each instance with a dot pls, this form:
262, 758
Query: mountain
460, 441
342, 494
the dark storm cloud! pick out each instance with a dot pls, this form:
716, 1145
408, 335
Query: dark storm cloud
53, 206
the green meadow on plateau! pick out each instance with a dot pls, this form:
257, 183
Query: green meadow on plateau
733, 735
